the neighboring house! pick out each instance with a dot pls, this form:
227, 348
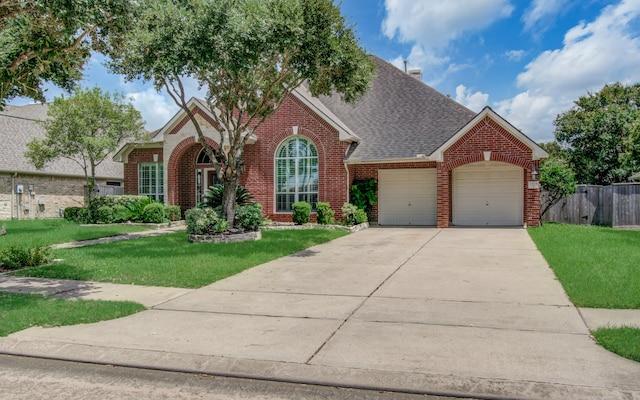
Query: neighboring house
435, 161
26, 192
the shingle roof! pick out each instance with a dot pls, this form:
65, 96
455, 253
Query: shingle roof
18, 127
399, 117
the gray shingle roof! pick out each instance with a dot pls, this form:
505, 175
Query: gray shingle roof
399, 117
18, 127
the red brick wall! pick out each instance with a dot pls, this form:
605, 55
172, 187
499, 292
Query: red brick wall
260, 157
131, 167
487, 135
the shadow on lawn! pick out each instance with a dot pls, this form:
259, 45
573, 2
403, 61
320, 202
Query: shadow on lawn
47, 288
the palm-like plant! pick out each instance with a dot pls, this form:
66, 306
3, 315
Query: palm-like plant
212, 197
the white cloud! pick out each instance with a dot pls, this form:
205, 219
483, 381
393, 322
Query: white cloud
594, 54
434, 24
514, 55
474, 101
156, 108
541, 12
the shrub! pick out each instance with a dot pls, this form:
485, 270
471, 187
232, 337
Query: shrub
71, 213
153, 213
363, 194
14, 257
136, 208
325, 213
100, 201
360, 216
201, 221
172, 213
222, 226
104, 215
120, 213
300, 212
212, 197
349, 213
249, 217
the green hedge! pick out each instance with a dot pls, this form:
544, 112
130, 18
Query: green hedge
300, 212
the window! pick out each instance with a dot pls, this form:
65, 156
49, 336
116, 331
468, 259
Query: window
296, 173
151, 180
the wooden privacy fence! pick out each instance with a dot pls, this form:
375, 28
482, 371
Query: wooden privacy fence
616, 205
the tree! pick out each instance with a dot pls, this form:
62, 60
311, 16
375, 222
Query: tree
558, 180
249, 55
49, 40
85, 128
601, 135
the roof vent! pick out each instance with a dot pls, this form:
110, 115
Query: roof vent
416, 73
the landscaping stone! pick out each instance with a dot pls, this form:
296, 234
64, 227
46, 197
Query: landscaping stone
226, 237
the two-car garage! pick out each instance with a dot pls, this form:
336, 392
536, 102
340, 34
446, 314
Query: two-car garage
483, 194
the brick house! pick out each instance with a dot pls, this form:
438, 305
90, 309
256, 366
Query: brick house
436, 162
26, 192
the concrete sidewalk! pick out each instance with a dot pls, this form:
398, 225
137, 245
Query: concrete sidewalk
467, 312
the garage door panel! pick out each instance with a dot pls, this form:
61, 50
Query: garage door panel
407, 197
487, 193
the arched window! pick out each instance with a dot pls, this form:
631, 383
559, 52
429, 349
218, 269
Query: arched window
296, 173
203, 158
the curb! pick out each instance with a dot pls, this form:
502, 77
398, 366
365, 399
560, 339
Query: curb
310, 374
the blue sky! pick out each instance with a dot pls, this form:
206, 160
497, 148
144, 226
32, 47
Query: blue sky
528, 60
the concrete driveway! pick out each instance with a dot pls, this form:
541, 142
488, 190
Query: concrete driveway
473, 312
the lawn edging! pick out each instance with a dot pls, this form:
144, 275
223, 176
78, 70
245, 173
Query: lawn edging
276, 226
225, 237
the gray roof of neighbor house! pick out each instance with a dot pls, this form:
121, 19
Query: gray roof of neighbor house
18, 127
399, 117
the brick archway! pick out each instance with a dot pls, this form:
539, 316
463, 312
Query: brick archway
181, 162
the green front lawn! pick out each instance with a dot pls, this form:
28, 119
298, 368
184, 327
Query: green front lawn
599, 268
170, 260
21, 311
623, 341
45, 232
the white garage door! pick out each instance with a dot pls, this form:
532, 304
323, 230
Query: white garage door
407, 196
487, 193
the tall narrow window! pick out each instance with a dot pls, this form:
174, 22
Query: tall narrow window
151, 180
296, 173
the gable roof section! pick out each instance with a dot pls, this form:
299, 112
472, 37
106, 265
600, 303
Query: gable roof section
399, 118
344, 132
18, 126
537, 151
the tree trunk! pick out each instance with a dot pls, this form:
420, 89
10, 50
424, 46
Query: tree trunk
229, 200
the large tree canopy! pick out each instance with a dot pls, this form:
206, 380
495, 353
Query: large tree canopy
85, 128
601, 135
249, 55
49, 40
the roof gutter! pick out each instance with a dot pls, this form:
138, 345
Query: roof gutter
45, 173
421, 158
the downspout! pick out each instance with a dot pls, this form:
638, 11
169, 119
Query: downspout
13, 191
346, 168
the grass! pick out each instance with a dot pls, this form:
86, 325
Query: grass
170, 260
45, 232
624, 341
21, 311
599, 267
